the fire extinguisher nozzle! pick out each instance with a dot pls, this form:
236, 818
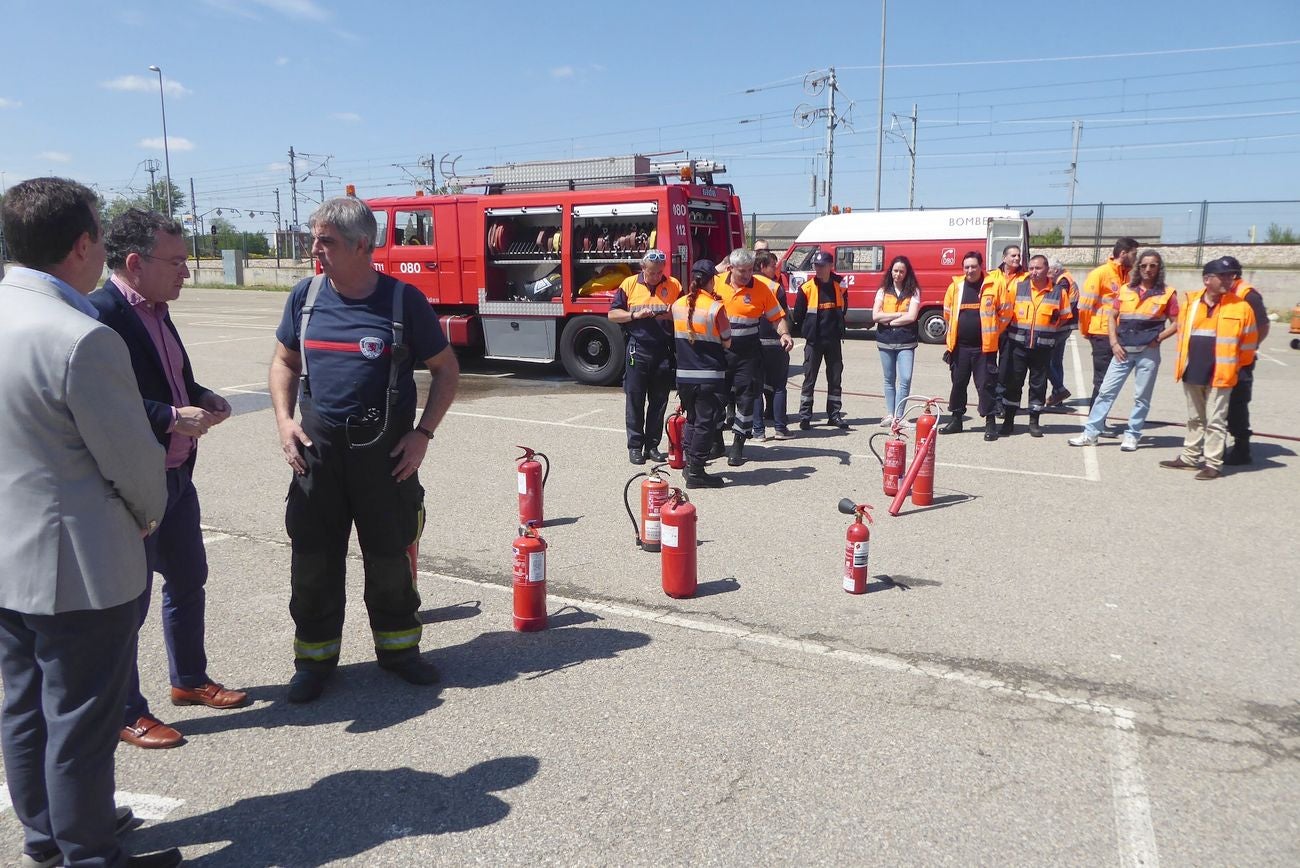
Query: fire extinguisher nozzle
848, 506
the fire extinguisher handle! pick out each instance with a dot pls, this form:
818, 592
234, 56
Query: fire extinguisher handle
528, 453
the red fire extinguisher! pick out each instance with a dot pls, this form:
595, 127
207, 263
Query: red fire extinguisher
654, 493
532, 482
530, 580
895, 459
923, 489
675, 428
857, 545
679, 540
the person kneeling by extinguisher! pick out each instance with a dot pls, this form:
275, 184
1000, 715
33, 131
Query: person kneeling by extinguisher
702, 333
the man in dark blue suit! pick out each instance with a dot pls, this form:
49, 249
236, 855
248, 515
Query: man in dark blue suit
146, 253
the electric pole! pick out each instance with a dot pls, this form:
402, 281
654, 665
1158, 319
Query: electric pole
151, 166
911, 182
830, 135
293, 199
194, 223
1074, 171
277, 227
880, 120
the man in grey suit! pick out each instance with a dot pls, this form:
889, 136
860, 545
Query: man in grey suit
81, 482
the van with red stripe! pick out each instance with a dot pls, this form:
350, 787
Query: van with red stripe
863, 245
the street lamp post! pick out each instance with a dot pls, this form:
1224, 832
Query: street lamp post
167, 160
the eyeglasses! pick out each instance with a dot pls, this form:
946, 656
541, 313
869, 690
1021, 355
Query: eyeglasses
655, 256
175, 262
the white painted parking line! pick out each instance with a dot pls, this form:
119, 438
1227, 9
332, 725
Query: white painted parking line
584, 415
261, 384
1268, 358
1131, 803
1016, 471
144, 805
532, 421
224, 340
1091, 469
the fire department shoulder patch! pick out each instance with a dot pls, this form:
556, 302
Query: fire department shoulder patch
371, 348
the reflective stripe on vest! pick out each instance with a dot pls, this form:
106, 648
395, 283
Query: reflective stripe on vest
700, 357
1234, 340
1036, 323
989, 305
1142, 318
894, 337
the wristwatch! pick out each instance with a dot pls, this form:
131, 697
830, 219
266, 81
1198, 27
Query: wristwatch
425, 431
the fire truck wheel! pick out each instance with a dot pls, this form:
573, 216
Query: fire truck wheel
591, 348
931, 326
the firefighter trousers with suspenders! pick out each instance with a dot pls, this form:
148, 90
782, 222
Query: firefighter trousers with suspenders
349, 480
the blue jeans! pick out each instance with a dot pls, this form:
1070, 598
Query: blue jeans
1144, 365
897, 365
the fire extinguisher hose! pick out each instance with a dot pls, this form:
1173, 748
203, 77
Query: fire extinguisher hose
636, 530
546, 469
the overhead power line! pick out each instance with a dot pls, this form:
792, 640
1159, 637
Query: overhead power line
1012, 60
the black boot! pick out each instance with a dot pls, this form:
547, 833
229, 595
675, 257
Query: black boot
735, 456
719, 448
954, 425
990, 428
1008, 423
1239, 454
697, 477
1035, 430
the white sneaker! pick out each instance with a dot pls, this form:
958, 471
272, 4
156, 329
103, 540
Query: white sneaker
1129, 444
1083, 440
887, 421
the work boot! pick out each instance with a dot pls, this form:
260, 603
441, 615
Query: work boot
990, 428
307, 685
698, 477
735, 456
636, 456
1008, 424
954, 425
1035, 430
719, 448
652, 453
1239, 453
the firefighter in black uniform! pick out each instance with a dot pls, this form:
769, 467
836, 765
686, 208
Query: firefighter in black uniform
350, 338
1239, 400
702, 334
819, 311
641, 306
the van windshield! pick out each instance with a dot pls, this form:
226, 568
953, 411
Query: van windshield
800, 258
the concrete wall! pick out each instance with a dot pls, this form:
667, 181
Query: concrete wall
257, 272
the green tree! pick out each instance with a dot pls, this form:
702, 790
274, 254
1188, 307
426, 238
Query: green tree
1054, 237
154, 198
1281, 235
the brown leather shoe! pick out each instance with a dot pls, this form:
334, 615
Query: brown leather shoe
212, 694
1179, 464
150, 732
1208, 473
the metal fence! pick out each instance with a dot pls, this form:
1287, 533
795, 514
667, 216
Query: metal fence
1098, 224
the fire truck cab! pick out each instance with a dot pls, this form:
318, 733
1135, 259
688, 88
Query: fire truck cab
864, 244
526, 269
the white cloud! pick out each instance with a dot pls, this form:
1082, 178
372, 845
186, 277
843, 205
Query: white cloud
347, 117
54, 156
282, 61
565, 71
146, 84
174, 143
277, 167
9, 103
305, 10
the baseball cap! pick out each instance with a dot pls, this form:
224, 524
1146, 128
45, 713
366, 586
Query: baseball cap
1218, 266
1232, 263
704, 266
821, 257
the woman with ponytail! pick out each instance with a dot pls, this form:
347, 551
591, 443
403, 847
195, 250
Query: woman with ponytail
701, 333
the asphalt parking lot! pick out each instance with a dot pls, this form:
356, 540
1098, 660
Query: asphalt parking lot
1073, 657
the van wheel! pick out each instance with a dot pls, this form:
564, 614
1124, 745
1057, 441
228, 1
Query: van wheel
931, 326
591, 349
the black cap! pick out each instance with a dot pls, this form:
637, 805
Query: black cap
1231, 262
821, 257
704, 266
1218, 266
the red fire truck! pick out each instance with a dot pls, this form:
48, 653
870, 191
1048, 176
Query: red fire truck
864, 244
526, 269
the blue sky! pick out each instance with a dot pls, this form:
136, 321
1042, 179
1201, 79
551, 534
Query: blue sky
1187, 114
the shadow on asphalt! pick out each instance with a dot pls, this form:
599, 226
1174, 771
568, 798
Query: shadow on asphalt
717, 586
344, 815
368, 699
454, 612
763, 476
941, 502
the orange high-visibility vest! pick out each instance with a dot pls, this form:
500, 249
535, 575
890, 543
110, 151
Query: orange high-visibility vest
1098, 291
698, 338
746, 305
1141, 320
1233, 325
993, 305
1038, 315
